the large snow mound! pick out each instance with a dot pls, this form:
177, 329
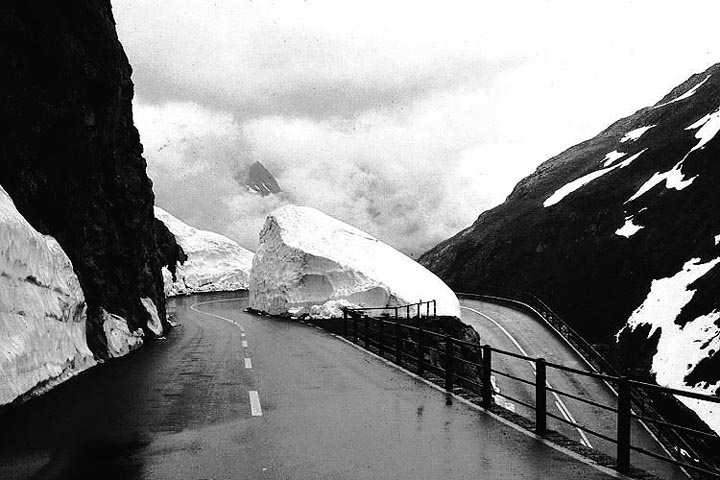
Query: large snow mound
215, 263
42, 309
306, 258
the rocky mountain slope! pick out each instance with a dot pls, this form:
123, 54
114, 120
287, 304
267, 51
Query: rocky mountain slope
260, 181
212, 263
72, 159
620, 233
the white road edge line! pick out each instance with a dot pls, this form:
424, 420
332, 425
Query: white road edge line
612, 389
255, 408
248, 364
192, 307
606, 470
563, 408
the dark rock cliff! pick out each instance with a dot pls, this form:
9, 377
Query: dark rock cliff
570, 253
71, 158
259, 180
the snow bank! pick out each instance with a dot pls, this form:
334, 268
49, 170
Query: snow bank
215, 263
42, 309
120, 340
306, 258
330, 309
680, 348
154, 324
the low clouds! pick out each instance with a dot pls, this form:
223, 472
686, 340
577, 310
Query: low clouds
410, 180
406, 119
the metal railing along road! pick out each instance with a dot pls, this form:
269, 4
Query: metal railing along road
470, 366
683, 442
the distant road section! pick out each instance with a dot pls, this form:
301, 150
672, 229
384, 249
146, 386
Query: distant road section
235, 396
515, 331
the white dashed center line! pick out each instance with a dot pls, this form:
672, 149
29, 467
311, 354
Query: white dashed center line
255, 409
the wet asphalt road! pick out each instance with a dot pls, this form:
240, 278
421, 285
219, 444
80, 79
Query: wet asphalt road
181, 409
537, 340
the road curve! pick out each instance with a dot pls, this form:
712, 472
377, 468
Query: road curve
184, 408
515, 331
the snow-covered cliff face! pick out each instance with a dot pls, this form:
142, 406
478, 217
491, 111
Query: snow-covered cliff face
42, 309
214, 262
620, 233
306, 258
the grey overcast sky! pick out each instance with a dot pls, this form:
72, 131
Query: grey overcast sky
405, 119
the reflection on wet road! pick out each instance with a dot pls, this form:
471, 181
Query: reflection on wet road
231, 395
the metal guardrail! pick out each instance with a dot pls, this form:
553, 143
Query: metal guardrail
672, 438
453, 359
410, 310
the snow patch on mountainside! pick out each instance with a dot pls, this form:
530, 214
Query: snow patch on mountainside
709, 125
215, 263
685, 95
629, 228
635, 134
42, 309
306, 258
680, 348
120, 340
571, 187
673, 178
612, 157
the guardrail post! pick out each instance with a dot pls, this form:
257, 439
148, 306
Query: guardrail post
623, 425
421, 351
367, 331
487, 389
434, 308
355, 329
345, 323
381, 335
398, 342
449, 363
540, 396
408, 312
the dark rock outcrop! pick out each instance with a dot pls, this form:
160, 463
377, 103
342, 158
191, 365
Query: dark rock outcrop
259, 180
71, 158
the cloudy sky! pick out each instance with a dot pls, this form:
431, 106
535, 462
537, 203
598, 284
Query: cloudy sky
405, 119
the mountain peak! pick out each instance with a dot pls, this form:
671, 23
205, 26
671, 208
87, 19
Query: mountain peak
260, 181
